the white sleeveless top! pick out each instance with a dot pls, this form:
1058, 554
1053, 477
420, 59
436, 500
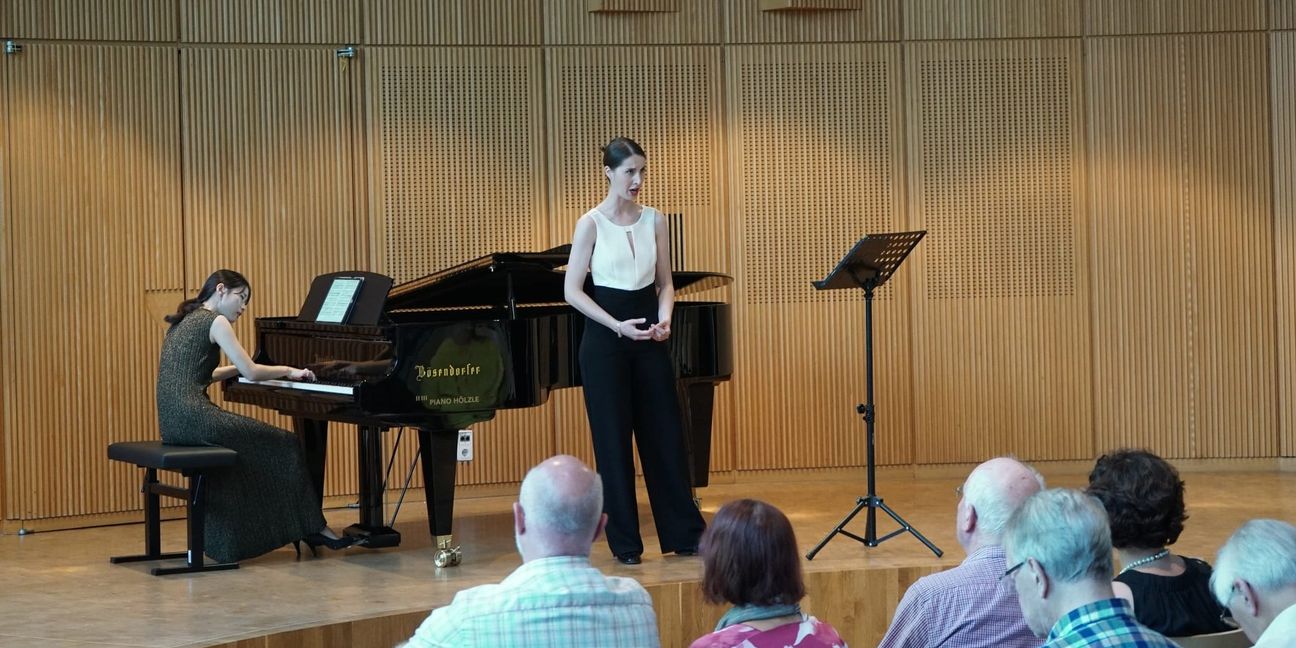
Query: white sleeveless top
613, 264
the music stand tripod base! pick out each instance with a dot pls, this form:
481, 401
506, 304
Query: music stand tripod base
868, 265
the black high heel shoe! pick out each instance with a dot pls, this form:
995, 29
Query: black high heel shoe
316, 540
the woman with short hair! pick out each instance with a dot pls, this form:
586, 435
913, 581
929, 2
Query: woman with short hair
750, 560
1144, 498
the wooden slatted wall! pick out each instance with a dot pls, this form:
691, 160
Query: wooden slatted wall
816, 144
1001, 332
1282, 53
1106, 185
455, 136
91, 234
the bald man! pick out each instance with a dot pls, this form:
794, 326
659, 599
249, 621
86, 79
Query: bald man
556, 598
967, 605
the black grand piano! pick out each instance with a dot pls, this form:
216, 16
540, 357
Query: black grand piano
440, 353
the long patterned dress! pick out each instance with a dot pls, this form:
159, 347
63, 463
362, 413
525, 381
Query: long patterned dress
264, 501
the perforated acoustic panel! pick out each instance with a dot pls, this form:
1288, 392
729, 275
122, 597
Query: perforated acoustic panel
1001, 347
456, 171
988, 125
819, 171
816, 154
457, 161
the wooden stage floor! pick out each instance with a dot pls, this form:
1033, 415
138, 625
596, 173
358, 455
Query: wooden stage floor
60, 591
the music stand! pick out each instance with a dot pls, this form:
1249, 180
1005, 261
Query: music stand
868, 265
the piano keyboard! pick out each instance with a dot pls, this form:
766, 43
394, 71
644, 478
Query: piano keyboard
327, 388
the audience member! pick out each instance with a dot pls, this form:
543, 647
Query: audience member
750, 560
968, 605
1144, 498
1255, 578
1059, 545
556, 598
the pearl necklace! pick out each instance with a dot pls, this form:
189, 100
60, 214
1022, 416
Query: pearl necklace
1143, 561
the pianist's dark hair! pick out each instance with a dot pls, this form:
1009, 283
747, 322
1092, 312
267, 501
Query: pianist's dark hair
620, 149
231, 280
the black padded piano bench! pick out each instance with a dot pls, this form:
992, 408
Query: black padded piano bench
191, 461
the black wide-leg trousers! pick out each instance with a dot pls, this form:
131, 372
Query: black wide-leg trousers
630, 392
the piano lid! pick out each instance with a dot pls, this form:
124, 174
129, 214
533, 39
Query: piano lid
533, 278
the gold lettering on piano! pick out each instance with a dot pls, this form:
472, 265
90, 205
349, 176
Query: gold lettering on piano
448, 371
447, 400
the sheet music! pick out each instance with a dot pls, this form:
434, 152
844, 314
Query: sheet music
339, 299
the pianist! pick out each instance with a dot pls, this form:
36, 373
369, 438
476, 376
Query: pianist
266, 500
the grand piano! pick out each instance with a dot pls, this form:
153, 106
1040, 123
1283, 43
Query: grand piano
442, 352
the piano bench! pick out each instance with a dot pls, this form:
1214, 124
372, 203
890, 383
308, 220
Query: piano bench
191, 461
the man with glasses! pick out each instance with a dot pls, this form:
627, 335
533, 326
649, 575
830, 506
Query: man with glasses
1255, 578
966, 605
1059, 546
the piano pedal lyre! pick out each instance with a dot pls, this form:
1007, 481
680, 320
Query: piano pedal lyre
446, 555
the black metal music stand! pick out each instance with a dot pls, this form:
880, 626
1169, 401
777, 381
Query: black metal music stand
868, 265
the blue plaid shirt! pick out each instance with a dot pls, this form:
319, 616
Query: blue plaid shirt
1108, 623
559, 601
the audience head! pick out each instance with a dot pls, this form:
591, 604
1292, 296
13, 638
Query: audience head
1059, 550
1255, 574
991, 493
749, 556
1143, 496
559, 511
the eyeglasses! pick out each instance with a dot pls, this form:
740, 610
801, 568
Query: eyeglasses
1010, 570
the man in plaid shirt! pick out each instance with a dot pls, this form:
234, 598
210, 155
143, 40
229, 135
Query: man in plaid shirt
1059, 546
968, 606
556, 598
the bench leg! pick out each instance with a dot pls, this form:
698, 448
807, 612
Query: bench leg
152, 524
195, 511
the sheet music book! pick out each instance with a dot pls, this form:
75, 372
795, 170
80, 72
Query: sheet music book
341, 297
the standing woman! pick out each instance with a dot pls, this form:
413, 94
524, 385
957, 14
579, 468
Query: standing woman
626, 371
266, 500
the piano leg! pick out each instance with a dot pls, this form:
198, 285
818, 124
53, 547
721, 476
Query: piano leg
697, 401
371, 529
437, 454
313, 436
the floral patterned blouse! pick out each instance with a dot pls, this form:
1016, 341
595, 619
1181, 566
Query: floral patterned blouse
809, 632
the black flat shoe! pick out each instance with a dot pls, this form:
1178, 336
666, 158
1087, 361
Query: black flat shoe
687, 551
633, 558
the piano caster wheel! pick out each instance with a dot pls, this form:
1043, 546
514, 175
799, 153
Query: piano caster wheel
447, 557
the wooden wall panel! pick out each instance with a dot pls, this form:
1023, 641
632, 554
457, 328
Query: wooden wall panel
875, 20
455, 165
268, 184
91, 227
1001, 333
572, 23
1182, 246
105, 20
816, 148
453, 22
666, 99
1282, 14
1142, 374
956, 19
5, 269
270, 21
1229, 205
1111, 17
1282, 52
